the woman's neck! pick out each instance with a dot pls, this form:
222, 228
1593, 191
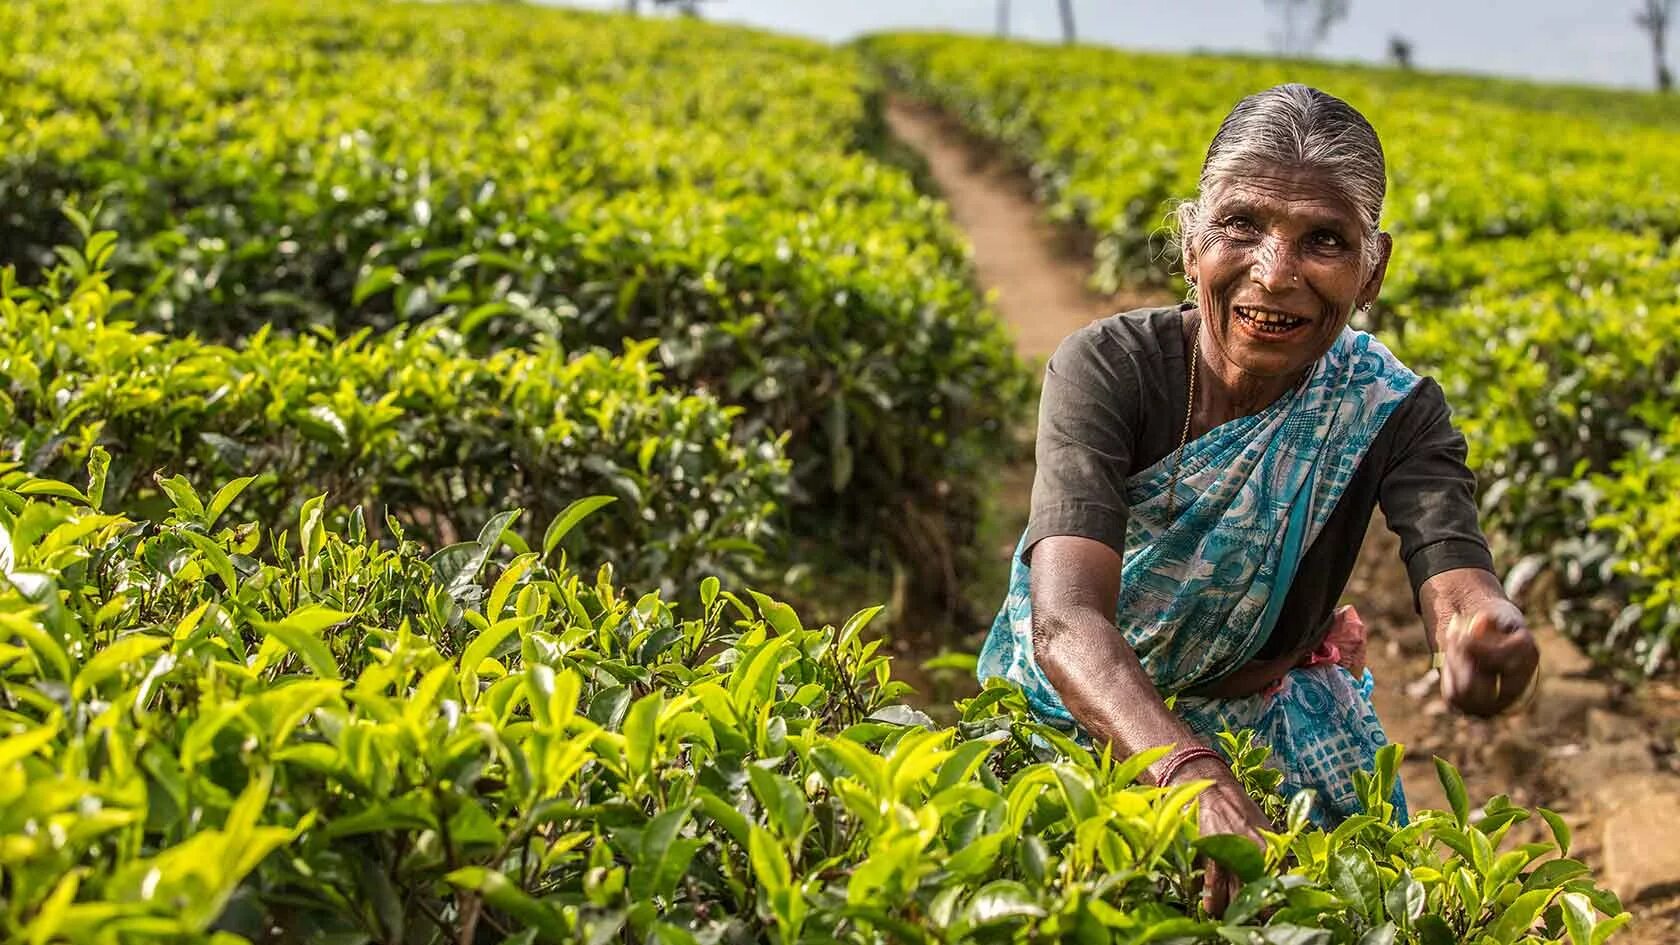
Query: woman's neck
1225, 391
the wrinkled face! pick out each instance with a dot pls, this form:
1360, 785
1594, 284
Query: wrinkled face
1279, 261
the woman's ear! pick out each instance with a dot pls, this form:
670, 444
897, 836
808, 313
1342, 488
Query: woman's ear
1373, 285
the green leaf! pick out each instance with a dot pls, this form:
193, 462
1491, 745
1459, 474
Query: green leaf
1609, 927
1405, 900
455, 567
965, 759
1381, 935
769, 863
373, 282
15, 748
1353, 875
1554, 873
1579, 918
570, 516
110, 661
500, 892
1251, 899
1504, 869
726, 815
607, 707
99, 471
181, 493
300, 633
1560, 829
1238, 854
781, 799
484, 645
1453, 783
1294, 935
777, 614
1434, 930
1519, 916
225, 497
641, 732
1002, 899
408, 812
754, 679
490, 536
662, 858
215, 556
52, 488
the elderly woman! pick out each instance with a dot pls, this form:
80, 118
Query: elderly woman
1206, 473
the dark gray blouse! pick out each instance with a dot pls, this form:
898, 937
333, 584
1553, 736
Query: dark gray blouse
1113, 405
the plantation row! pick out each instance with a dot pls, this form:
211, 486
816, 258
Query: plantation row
404, 423
525, 178
213, 732
1536, 271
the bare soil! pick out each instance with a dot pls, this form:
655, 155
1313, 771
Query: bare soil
1550, 756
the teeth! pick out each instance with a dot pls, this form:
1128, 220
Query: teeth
1269, 321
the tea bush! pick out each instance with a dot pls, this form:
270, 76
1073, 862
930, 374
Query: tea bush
518, 173
210, 732
1559, 356
1534, 271
1639, 505
405, 422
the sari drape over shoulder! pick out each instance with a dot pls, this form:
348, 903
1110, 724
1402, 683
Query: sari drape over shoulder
1200, 593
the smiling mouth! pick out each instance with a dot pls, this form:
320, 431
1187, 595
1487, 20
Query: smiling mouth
1267, 321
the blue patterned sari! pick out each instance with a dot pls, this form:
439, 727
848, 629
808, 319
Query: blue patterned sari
1200, 593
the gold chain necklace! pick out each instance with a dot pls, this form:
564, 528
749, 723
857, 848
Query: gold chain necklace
1184, 438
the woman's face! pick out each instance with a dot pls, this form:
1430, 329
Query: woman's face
1279, 263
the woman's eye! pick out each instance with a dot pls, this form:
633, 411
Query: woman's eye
1328, 240
1239, 224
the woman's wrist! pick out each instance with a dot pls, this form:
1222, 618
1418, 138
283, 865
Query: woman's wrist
1189, 759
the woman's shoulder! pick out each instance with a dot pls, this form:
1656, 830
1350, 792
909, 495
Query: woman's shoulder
1144, 336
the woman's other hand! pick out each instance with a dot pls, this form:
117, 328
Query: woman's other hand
1489, 659
1224, 808
1488, 656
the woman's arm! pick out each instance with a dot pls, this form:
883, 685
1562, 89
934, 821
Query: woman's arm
1075, 584
1428, 495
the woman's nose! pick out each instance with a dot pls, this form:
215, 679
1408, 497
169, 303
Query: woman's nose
1276, 267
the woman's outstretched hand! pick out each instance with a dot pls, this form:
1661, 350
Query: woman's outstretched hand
1489, 658
1224, 808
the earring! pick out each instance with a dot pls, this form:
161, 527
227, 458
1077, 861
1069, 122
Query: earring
1366, 307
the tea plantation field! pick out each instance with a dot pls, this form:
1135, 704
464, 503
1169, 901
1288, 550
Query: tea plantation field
397, 402
1536, 273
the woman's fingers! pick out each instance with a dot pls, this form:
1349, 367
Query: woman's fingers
1226, 809
1216, 889
1490, 657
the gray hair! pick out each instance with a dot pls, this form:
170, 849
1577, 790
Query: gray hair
1296, 126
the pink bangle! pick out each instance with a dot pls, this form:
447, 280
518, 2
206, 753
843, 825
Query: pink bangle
1179, 757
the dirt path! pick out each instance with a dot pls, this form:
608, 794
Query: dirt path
1601, 760
1040, 291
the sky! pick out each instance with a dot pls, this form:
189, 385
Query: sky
1588, 41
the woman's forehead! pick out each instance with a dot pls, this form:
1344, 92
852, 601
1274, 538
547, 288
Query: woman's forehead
1293, 190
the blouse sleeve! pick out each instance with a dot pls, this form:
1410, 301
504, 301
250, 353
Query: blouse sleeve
1428, 494
1086, 419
